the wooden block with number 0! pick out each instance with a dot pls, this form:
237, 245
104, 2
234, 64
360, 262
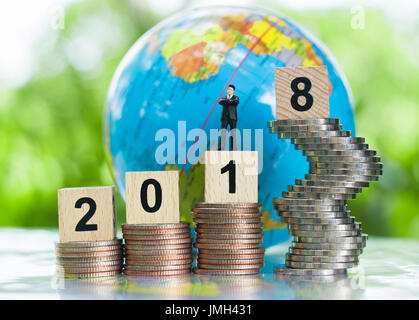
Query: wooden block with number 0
152, 197
87, 214
231, 176
302, 93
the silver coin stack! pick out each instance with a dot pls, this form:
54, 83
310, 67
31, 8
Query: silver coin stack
327, 240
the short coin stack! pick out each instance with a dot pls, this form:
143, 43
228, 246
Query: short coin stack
89, 259
327, 240
228, 238
157, 249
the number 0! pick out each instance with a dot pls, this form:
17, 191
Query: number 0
158, 191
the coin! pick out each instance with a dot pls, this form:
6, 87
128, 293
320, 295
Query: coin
89, 275
153, 236
165, 273
343, 159
228, 251
84, 264
225, 272
230, 262
89, 259
230, 225
136, 245
332, 146
307, 265
140, 263
75, 254
229, 267
320, 259
306, 134
309, 202
256, 216
226, 246
157, 268
152, 252
328, 140
229, 257
306, 195
330, 183
304, 272
317, 208
324, 189
154, 227
87, 249
328, 246
238, 230
347, 153
356, 239
363, 172
243, 205
325, 227
320, 127
226, 236
221, 211
320, 234
89, 269
341, 177
226, 221
156, 242
309, 252
342, 165
291, 122
87, 244
229, 241
314, 215
318, 221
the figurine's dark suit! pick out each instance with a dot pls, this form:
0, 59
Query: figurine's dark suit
228, 117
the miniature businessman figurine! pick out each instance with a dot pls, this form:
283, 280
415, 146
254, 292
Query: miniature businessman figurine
229, 117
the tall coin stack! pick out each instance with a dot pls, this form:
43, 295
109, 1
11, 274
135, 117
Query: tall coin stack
89, 259
327, 240
228, 238
157, 249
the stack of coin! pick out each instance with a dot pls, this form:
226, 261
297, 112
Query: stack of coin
228, 238
89, 259
157, 249
327, 240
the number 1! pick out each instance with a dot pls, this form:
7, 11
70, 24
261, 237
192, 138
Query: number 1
231, 168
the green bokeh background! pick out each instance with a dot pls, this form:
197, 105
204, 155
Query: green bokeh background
51, 126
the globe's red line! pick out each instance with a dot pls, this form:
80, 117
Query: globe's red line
225, 87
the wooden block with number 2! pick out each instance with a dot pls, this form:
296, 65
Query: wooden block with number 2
87, 214
231, 176
302, 93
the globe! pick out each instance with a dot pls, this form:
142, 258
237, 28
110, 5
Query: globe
166, 87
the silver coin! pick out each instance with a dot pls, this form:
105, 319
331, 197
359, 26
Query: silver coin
324, 234
321, 259
299, 128
362, 172
328, 246
306, 134
307, 265
325, 227
332, 184
314, 215
348, 153
324, 189
308, 272
344, 159
308, 202
319, 208
309, 252
334, 177
307, 195
351, 165
328, 140
356, 239
293, 122
332, 146
318, 221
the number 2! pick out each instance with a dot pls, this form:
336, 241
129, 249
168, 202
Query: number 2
231, 168
81, 225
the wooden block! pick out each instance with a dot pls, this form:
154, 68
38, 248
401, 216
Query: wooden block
87, 214
152, 197
231, 176
302, 93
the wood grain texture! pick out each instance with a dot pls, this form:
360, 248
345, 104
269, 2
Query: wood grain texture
169, 209
104, 216
217, 184
319, 90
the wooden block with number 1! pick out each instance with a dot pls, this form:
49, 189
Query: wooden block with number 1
231, 176
152, 197
87, 214
302, 92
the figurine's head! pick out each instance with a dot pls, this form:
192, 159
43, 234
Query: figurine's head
231, 89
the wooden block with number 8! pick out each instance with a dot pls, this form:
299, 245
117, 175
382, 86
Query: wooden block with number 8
302, 93
152, 197
87, 214
231, 176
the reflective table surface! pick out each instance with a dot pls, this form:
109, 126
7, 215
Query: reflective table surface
388, 269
